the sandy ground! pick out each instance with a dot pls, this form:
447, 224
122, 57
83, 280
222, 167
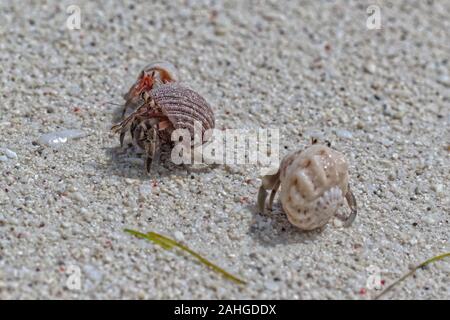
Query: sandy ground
309, 68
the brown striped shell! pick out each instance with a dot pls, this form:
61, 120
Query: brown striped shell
183, 107
161, 106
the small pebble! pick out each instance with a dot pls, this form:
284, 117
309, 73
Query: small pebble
87, 214
438, 188
271, 285
77, 196
370, 67
8, 153
178, 235
74, 90
3, 158
338, 223
445, 80
54, 139
220, 31
344, 134
429, 218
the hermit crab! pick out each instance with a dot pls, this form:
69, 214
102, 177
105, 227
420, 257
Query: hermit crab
314, 185
154, 74
164, 108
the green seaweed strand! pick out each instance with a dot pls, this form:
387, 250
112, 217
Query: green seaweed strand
168, 244
423, 264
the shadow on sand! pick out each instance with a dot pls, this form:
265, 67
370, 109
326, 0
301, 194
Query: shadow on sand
272, 228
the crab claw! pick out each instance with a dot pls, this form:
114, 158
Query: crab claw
351, 201
262, 195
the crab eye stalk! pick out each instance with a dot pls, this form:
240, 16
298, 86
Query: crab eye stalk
165, 71
152, 76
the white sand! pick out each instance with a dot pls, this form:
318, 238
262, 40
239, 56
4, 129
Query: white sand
380, 96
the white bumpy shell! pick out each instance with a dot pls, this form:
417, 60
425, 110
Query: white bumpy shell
314, 183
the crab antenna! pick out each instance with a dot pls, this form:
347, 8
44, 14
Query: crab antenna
112, 103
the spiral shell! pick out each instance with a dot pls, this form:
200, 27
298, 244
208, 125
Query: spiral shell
183, 107
314, 184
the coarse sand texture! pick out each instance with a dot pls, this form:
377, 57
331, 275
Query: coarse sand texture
311, 69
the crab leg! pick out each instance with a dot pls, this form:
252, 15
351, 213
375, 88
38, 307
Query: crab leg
129, 122
269, 182
272, 194
152, 149
351, 201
